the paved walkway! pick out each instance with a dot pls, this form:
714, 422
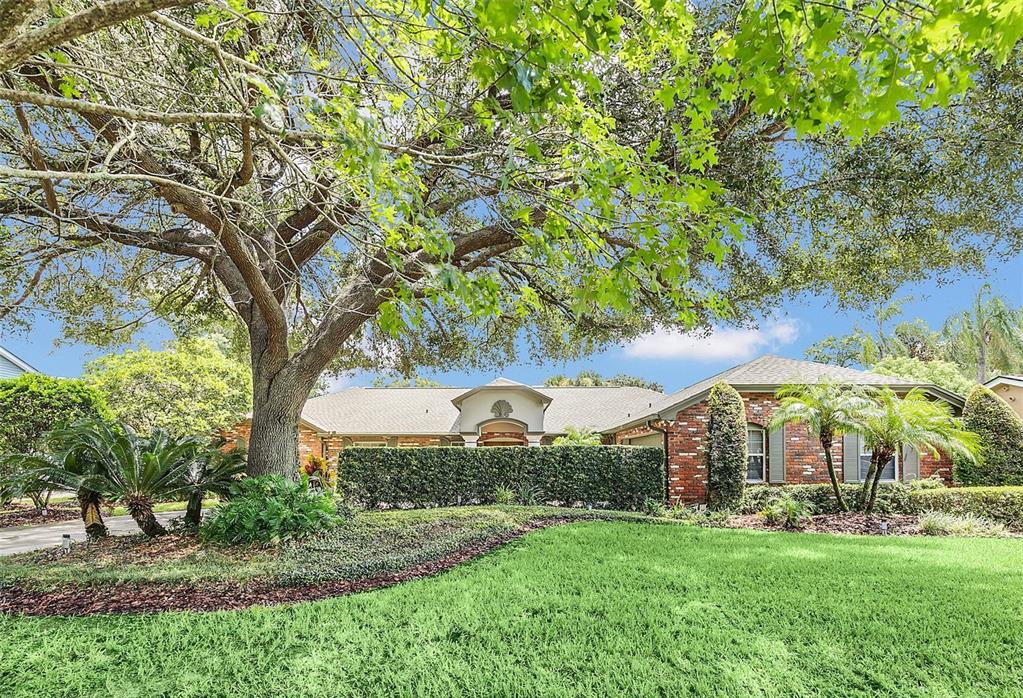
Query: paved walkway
23, 538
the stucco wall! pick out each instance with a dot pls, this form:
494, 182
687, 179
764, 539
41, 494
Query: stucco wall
1013, 395
526, 407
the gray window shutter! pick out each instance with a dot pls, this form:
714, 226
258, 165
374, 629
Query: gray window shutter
851, 458
910, 464
776, 455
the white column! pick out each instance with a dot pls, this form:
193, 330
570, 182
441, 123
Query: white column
470, 441
534, 439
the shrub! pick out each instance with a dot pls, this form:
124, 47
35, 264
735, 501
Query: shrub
1001, 436
578, 437
936, 523
726, 447
943, 374
268, 510
32, 404
316, 467
655, 508
934, 482
892, 497
787, 511
504, 495
1002, 505
620, 477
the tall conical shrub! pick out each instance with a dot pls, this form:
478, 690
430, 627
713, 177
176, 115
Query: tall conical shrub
726, 447
1001, 437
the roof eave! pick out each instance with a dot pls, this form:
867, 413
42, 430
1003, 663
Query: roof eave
20, 363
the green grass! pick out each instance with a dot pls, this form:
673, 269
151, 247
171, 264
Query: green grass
599, 608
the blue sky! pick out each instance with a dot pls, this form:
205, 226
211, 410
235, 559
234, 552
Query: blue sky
672, 361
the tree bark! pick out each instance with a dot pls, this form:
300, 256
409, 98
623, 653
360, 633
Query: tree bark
865, 489
273, 439
876, 463
92, 517
193, 511
826, 445
147, 522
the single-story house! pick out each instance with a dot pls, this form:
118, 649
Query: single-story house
11, 366
507, 413
1010, 389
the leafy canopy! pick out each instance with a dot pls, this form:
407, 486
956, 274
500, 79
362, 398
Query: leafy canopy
189, 388
314, 167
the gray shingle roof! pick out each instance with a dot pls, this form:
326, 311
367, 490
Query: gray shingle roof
771, 371
411, 411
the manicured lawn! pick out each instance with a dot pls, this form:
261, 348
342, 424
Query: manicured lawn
587, 609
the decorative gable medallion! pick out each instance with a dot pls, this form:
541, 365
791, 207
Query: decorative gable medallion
501, 408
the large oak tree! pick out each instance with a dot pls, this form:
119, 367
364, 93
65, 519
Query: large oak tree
375, 180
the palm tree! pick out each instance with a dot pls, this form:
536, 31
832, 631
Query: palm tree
211, 471
914, 420
988, 335
828, 410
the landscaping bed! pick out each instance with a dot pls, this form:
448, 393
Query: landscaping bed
23, 514
850, 523
134, 574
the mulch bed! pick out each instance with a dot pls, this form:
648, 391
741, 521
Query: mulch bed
121, 598
858, 524
17, 514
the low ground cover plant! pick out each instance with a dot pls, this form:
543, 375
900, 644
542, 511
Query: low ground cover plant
269, 510
936, 523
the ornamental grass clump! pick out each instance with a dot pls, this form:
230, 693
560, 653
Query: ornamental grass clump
936, 523
269, 510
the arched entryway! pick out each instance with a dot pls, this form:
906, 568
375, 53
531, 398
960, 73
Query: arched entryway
503, 432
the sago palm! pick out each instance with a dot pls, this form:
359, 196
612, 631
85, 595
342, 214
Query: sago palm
130, 470
61, 468
828, 410
211, 471
914, 420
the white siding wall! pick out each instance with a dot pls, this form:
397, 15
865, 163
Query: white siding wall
8, 369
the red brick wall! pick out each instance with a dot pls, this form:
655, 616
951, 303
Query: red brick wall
940, 465
804, 457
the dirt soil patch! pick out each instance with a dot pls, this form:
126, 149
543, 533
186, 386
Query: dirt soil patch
18, 514
852, 523
120, 598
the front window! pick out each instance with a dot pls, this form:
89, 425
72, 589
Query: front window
756, 444
887, 471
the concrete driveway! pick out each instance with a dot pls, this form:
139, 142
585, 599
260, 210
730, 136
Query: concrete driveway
24, 538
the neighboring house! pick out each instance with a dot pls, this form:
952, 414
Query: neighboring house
506, 413
1010, 389
11, 366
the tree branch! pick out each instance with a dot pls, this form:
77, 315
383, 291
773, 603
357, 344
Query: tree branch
23, 46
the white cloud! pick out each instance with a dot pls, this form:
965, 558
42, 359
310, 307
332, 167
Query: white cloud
720, 345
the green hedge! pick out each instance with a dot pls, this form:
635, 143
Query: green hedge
1001, 436
892, 498
1001, 504
619, 477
